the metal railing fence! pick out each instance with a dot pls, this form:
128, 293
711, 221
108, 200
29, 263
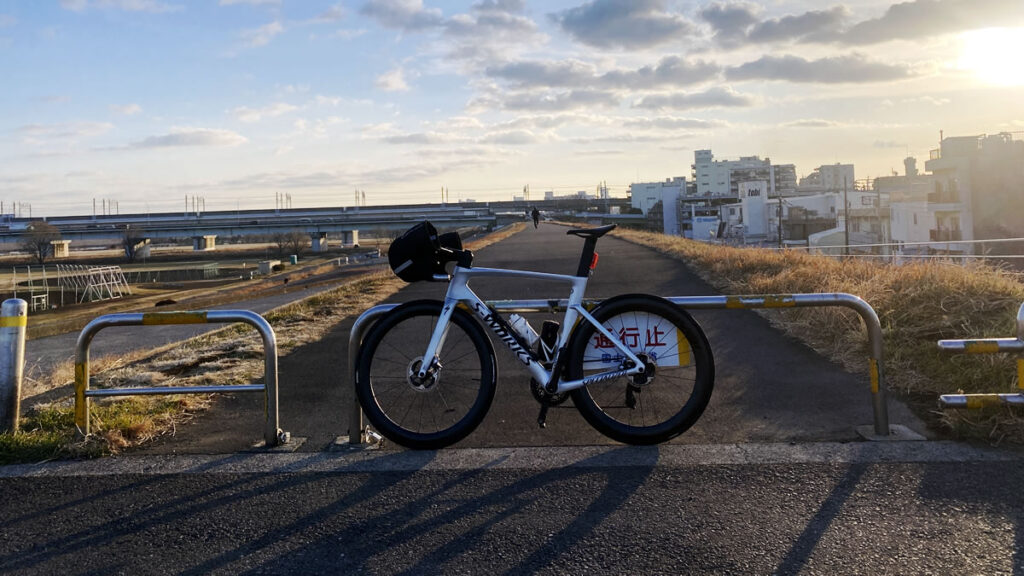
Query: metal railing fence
272, 433
988, 346
881, 427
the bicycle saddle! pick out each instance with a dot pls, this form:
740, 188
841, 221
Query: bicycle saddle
592, 232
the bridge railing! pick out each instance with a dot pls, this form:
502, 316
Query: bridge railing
988, 346
272, 433
879, 430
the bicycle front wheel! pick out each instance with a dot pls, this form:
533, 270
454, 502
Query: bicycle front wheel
669, 396
444, 407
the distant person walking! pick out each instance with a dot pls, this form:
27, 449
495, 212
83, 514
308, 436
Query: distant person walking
535, 214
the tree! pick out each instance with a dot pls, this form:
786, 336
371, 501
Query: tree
296, 241
293, 242
281, 240
37, 239
133, 240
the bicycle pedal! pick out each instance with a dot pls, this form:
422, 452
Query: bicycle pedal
542, 417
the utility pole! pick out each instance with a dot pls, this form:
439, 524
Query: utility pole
846, 217
780, 221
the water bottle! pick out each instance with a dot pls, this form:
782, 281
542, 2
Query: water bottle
523, 328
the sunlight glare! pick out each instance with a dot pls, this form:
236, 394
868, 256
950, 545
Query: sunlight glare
994, 55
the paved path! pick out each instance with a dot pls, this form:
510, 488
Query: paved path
767, 509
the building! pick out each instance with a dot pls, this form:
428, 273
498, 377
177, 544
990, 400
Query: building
978, 187
830, 178
721, 178
663, 197
753, 201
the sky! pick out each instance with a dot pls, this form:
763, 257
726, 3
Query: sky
146, 104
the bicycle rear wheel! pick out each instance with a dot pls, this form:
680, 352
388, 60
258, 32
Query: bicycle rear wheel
680, 370
444, 407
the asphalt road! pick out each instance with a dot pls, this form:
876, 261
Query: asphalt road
767, 509
772, 479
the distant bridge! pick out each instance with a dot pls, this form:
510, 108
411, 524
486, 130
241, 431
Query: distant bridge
205, 227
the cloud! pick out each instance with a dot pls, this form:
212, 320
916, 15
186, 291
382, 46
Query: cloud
835, 70
552, 73
335, 13
888, 144
6, 20
150, 6
924, 18
392, 81
718, 97
490, 17
422, 138
926, 100
489, 32
552, 102
740, 23
550, 121
402, 14
813, 123
627, 24
38, 133
250, 115
813, 24
730, 21
672, 123
126, 109
671, 71
511, 138
191, 137
261, 36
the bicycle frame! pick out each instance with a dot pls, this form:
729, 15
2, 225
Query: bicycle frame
460, 293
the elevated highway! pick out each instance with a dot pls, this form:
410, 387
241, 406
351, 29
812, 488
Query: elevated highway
317, 222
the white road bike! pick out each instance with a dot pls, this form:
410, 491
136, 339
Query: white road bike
637, 367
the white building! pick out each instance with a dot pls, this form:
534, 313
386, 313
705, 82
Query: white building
721, 178
644, 195
753, 198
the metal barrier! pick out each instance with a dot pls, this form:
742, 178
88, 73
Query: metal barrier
881, 427
988, 346
272, 434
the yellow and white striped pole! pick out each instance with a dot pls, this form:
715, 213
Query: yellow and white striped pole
13, 321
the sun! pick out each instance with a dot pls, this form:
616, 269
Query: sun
994, 55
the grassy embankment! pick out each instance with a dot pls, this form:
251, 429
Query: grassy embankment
918, 304
232, 355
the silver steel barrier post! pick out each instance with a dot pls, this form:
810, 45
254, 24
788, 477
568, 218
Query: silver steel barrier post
880, 430
988, 346
13, 322
356, 430
272, 433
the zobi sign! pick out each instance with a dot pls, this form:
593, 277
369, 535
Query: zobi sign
642, 333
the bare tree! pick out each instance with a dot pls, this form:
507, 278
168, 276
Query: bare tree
281, 240
133, 241
296, 241
37, 239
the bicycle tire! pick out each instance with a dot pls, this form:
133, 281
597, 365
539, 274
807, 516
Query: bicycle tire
674, 398
436, 414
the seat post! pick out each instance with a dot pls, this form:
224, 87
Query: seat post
589, 244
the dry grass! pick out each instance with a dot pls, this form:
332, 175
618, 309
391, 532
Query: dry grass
917, 304
231, 355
